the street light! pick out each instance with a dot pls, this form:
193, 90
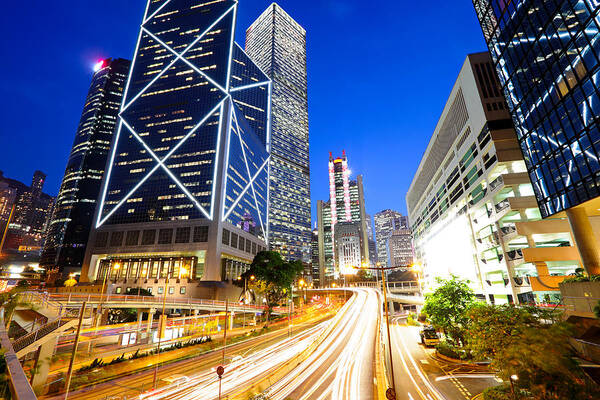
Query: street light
387, 316
162, 325
513, 378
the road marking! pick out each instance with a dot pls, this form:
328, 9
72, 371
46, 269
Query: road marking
424, 362
410, 396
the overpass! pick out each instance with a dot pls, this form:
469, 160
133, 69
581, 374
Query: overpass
64, 301
403, 292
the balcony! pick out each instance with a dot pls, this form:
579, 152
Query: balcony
496, 183
503, 205
514, 255
544, 254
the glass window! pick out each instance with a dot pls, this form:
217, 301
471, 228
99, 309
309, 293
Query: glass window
171, 289
182, 290
201, 234
165, 236
160, 290
182, 235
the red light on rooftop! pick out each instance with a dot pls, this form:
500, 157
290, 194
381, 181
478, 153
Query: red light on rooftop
98, 66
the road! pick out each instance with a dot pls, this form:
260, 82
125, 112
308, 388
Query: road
132, 385
421, 375
333, 360
342, 365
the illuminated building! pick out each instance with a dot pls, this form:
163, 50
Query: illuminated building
346, 204
73, 215
348, 247
386, 222
470, 193
277, 44
30, 216
546, 55
314, 258
325, 242
185, 194
400, 248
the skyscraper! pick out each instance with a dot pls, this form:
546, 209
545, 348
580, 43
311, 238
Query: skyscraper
73, 215
346, 205
30, 209
400, 248
186, 191
547, 58
277, 44
386, 222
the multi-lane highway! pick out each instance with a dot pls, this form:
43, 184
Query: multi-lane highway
333, 360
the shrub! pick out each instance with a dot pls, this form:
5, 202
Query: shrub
449, 350
501, 392
410, 320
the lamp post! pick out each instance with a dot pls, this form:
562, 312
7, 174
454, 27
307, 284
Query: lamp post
513, 378
387, 316
115, 268
252, 277
161, 327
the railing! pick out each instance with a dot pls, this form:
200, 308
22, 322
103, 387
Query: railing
44, 330
496, 183
67, 299
399, 285
514, 254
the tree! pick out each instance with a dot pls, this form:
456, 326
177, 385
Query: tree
9, 301
447, 306
520, 342
273, 277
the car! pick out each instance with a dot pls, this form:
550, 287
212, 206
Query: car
429, 336
176, 379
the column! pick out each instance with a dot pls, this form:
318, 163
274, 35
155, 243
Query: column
584, 239
151, 312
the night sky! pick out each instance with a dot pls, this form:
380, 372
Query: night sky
379, 73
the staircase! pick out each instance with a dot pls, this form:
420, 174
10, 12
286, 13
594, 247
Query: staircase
33, 340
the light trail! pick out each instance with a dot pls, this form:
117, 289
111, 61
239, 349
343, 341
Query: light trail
334, 368
337, 363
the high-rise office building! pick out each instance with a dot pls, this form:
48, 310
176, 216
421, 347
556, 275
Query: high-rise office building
472, 206
386, 222
73, 215
348, 247
325, 242
185, 194
547, 58
277, 44
346, 204
400, 248
29, 210
314, 258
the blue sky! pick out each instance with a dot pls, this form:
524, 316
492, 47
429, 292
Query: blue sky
379, 75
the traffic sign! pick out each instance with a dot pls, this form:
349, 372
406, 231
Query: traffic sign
220, 370
390, 394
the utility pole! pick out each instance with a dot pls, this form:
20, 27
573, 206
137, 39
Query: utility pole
161, 327
74, 351
12, 210
387, 316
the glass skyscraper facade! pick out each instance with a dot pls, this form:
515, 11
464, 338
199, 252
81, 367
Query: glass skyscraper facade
277, 44
546, 55
188, 174
73, 215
